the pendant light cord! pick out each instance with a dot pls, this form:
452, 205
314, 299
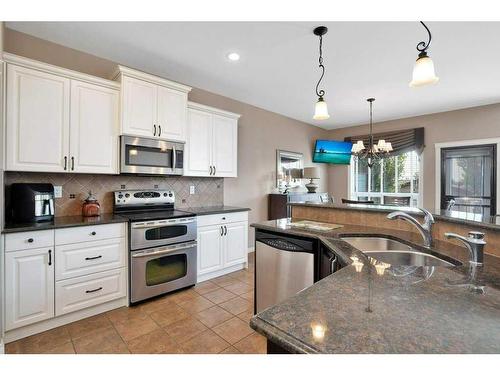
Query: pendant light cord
422, 46
320, 93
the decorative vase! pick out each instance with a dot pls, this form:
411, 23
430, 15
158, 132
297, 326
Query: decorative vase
91, 206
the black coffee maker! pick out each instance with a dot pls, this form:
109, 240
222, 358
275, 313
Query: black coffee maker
31, 202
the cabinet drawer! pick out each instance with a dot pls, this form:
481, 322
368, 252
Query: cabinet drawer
89, 257
29, 240
89, 233
218, 219
82, 292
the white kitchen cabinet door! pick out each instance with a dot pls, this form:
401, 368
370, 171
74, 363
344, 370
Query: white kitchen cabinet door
37, 136
198, 149
171, 120
93, 129
210, 256
29, 287
139, 108
225, 146
235, 243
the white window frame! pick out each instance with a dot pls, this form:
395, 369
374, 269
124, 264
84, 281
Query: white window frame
354, 195
472, 142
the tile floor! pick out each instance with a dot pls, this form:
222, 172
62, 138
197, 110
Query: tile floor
211, 317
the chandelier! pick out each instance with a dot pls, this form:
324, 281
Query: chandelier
373, 151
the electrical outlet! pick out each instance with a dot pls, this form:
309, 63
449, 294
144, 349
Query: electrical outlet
57, 191
191, 189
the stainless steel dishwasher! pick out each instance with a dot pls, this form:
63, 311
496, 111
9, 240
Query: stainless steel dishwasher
283, 267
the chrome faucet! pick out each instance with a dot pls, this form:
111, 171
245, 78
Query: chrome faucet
474, 242
424, 229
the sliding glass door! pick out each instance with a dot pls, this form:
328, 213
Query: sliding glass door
468, 179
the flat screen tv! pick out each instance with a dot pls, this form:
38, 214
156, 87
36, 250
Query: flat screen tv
333, 152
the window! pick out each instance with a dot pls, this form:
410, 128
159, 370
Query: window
391, 180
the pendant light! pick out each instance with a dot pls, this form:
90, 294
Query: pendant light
374, 151
321, 109
423, 71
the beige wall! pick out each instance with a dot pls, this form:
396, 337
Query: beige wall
260, 132
464, 124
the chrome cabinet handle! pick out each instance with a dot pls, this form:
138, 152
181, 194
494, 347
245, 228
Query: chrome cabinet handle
154, 129
72, 163
50, 257
94, 290
65, 163
159, 130
92, 258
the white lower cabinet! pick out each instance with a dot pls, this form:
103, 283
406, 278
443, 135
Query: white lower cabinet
86, 291
55, 272
29, 287
222, 244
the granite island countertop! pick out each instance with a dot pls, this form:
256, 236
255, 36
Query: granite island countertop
413, 309
457, 217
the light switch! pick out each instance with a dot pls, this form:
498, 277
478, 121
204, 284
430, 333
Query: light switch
191, 189
57, 191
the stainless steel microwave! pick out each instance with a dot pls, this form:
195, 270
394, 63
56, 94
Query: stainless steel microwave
151, 156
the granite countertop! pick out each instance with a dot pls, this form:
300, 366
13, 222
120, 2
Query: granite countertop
413, 309
476, 220
65, 222
215, 210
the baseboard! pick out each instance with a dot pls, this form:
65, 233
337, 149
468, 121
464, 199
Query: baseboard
251, 249
58, 321
222, 272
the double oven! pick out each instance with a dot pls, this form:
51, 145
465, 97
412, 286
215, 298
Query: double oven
162, 243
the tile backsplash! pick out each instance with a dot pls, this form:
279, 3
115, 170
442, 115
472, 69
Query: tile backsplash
75, 188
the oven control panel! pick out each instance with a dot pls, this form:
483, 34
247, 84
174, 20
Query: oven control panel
125, 198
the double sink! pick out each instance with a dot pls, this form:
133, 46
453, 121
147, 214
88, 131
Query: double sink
397, 253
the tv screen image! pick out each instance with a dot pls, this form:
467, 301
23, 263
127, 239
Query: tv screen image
334, 152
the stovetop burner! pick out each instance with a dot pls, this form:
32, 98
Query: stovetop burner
147, 205
154, 215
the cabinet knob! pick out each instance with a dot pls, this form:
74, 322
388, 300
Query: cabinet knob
30, 240
93, 233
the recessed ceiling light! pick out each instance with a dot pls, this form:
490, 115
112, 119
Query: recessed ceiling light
233, 56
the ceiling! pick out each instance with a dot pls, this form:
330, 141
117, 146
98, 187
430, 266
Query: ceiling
278, 66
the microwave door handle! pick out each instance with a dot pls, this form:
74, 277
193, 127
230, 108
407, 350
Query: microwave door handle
174, 158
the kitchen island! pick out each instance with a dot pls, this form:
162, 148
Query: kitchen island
363, 308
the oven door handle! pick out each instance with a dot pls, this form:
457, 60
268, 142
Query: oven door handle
164, 250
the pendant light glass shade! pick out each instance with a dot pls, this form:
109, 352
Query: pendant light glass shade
321, 110
423, 72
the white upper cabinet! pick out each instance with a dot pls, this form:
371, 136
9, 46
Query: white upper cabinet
212, 142
37, 136
225, 144
58, 120
171, 119
151, 106
139, 107
94, 128
198, 149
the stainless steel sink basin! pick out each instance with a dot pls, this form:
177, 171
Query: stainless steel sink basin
396, 253
365, 244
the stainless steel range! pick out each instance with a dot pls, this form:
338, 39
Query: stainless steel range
162, 242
